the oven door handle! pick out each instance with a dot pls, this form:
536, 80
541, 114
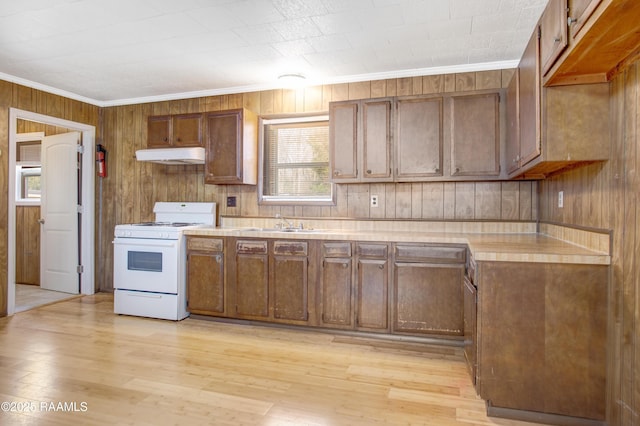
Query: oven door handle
137, 243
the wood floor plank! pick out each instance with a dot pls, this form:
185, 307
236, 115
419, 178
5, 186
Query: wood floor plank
138, 371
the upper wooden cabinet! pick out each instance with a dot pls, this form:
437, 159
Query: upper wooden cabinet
475, 135
360, 140
603, 36
449, 136
419, 138
525, 86
231, 155
579, 12
558, 127
182, 130
553, 33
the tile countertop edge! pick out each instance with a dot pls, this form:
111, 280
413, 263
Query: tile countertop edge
501, 247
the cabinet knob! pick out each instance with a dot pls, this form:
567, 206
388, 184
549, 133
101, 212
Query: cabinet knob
457, 169
218, 259
436, 170
557, 39
380, 266
368, 172
179, 140
336, 173
571, 21
344, 265
165, 139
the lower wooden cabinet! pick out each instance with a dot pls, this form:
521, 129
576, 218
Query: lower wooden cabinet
336, 285
542, 338
427, 285
252, 279
372, 287
470, 344
205, 275
289, 270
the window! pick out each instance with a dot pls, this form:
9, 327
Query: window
28, 184
295, 161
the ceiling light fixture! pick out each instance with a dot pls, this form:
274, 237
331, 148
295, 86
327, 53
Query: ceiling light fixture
291, 80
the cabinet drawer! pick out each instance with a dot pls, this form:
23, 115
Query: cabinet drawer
430, 253
250, 247
295, 248
336, 249
205, 244
372, 250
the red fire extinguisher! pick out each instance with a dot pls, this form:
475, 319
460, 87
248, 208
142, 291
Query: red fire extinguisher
101, 159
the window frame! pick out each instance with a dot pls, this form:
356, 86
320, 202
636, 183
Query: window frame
282, 200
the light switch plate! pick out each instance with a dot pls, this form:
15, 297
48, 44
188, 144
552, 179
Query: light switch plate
560, 199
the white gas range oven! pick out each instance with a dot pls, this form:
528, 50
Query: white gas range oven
149, 261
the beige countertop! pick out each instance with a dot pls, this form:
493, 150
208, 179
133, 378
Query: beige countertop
484, 246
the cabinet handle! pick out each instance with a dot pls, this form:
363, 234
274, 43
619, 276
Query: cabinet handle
571, 21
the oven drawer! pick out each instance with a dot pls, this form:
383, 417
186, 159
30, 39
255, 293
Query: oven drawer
152, 305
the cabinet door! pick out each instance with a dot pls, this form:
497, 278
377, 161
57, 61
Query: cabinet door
290, 288
470, 340
187, 130
372, 294
428, 298
475, 138
512, 145
205, 282
343, 141
336, 292
223, 148
231, 147
579, 13
252, 285
159, 131
529, 69
553, 33
376, 140
419, 138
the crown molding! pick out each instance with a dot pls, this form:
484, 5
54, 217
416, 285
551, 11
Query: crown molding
452, 69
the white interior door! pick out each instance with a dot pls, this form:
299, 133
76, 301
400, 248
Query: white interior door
59, 213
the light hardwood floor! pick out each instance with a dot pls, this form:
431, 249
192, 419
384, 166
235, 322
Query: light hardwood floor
112, 369
31, 296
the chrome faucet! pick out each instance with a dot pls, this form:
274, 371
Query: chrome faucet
284, 222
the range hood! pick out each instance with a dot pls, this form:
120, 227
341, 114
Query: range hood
194, 155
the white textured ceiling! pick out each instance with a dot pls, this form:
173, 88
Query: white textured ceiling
120, 51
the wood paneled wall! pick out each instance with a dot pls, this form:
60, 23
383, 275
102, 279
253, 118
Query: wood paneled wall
133, 187
606, 196
17, 96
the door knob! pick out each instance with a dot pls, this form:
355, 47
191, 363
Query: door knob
41, 221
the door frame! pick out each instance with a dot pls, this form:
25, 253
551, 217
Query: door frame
87, 233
